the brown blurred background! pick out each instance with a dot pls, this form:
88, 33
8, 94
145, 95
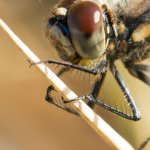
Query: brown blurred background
27, 121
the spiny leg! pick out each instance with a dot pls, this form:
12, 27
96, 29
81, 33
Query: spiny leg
136, 114
51, 99
134, 109
96, 88
93, 71
67, 66
92, 98
98, 84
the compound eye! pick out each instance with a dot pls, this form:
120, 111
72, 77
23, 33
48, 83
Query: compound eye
85, 17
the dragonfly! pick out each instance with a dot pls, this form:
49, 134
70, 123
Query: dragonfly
90, 35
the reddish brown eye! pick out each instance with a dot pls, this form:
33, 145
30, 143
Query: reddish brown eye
85, 17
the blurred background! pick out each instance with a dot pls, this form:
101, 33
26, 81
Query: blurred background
27, 121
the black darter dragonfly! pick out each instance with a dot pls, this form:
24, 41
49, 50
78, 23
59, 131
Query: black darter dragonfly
90, 35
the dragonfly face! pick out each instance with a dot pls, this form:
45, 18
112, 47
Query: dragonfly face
93, 31
77, 23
